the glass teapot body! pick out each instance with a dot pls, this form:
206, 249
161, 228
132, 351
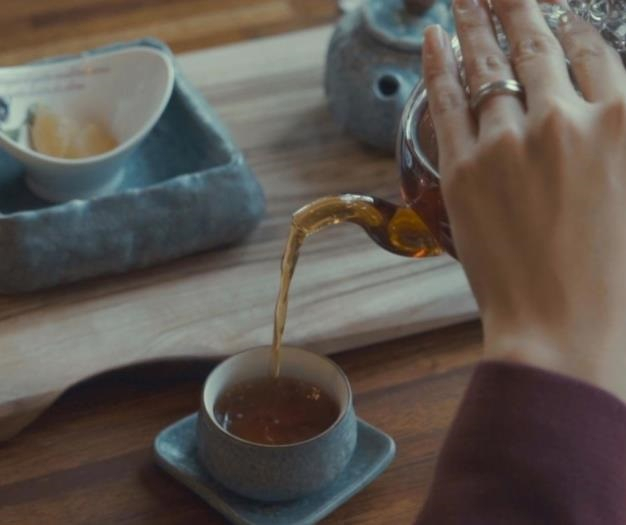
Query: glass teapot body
417, 159
417, 152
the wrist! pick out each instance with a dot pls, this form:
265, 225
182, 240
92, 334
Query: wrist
593, 359
526, 346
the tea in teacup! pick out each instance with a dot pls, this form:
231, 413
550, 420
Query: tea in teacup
275, 410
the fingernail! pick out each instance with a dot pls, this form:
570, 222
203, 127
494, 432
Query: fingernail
466, 4
434, 38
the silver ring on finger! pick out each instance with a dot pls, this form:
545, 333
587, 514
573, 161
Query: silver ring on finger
495, 88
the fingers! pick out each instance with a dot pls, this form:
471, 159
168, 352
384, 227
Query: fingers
447, 102
485, 62
598, 70
535, 52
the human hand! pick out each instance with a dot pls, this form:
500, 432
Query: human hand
536, 191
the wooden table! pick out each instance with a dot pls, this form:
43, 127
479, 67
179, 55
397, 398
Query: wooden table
89, 458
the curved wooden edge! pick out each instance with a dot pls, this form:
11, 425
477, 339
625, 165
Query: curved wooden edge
17, 415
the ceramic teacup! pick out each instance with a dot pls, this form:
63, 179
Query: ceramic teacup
276, 472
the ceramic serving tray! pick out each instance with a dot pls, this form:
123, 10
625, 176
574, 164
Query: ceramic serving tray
186, 189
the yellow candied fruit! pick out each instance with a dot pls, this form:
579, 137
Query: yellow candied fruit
63, 137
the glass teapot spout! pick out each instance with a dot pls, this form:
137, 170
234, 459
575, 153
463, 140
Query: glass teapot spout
397, 229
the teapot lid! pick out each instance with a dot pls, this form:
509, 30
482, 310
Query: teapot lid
400, 23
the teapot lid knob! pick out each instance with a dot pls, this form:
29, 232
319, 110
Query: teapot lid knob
400, 24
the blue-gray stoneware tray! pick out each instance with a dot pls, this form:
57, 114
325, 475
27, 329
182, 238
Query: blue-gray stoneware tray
175, 451
186, 189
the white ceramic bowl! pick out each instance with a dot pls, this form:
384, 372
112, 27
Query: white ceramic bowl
127, 90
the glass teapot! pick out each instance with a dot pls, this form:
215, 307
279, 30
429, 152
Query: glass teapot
421, 228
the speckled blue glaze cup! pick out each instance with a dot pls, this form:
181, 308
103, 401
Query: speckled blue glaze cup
276, 472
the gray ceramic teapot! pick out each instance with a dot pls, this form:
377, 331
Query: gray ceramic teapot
374, 63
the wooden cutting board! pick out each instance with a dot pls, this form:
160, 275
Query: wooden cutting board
347, 292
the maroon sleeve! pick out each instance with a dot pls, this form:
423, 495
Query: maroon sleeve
531, 447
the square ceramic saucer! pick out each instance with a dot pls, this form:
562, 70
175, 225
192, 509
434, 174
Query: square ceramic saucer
175, 451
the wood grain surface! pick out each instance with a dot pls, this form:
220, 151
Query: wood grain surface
88, 459
37, 28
